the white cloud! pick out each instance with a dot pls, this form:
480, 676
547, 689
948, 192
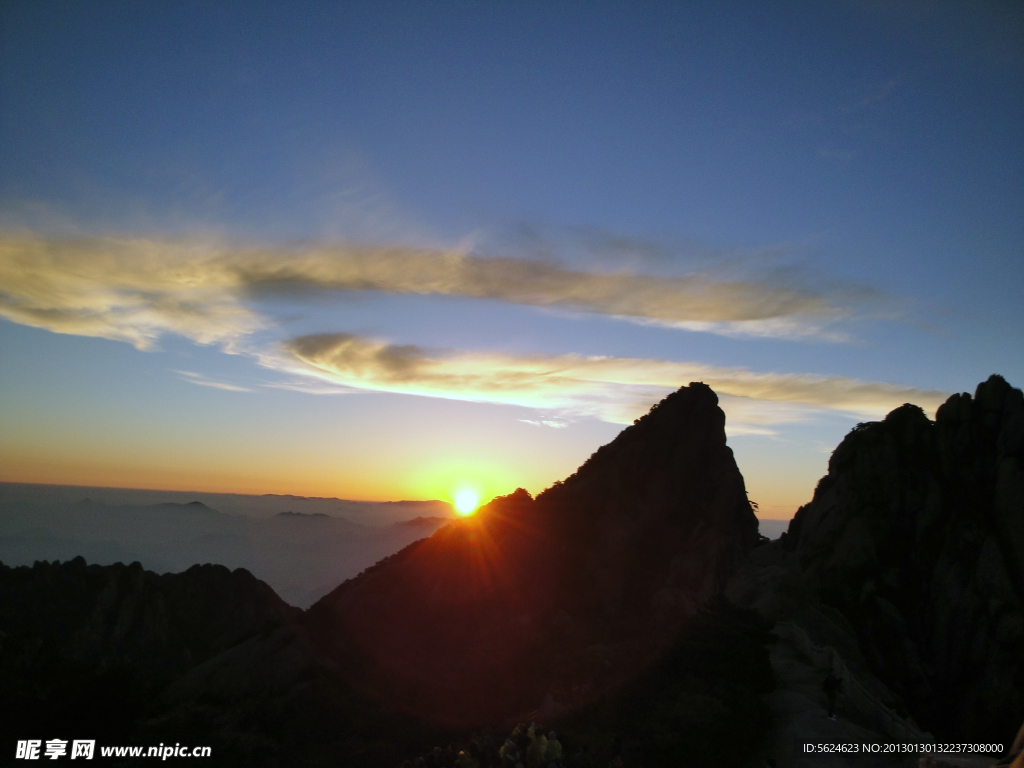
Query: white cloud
131, 290
553, 423
610, 388
197, 378
136, 289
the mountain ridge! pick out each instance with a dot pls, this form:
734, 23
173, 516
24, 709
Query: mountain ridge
588, 605
598, 573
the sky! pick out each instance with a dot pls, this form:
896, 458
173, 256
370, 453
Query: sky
382, 250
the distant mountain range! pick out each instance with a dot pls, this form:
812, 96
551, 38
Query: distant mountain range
374, 513
170, 531
634, 607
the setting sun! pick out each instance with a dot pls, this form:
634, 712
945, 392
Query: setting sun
466, 501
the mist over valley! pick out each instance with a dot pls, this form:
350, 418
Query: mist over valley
302, 547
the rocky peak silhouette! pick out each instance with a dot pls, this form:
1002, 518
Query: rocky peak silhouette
552, 601
917, 536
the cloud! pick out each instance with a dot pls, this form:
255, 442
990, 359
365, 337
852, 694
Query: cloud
137, 289
772, 328
614, 389
553, 423
309, 387
197, 378
527, 282
132, 290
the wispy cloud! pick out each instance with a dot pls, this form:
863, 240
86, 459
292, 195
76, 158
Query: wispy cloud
308, 385
136, 289
197, 378
772, 328
132, 290
614, 389
553, 423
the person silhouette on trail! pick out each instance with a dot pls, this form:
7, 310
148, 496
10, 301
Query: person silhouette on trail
831, 685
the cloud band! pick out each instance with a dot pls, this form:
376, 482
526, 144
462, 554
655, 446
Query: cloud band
135, 289
615, 389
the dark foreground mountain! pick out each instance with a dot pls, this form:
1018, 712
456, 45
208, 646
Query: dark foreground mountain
549, 603
902, 580
632, 606
917, 536
530, 607
83, 649
212, 658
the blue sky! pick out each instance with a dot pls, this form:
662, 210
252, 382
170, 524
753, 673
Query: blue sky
382, 250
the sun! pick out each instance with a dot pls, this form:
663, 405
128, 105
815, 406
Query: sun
466, 501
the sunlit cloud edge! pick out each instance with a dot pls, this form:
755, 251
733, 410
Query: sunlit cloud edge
616, 390
136, 289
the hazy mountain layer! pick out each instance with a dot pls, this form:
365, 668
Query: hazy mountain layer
289, 542
15, 496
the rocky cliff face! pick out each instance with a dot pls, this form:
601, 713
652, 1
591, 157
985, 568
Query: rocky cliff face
655, 522
550, 602
916, 536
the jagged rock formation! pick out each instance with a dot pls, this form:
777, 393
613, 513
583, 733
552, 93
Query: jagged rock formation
916, 536
554, 601
655, 522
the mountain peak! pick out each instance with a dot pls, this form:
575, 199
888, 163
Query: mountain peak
916, 536
191, 506
597, 576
